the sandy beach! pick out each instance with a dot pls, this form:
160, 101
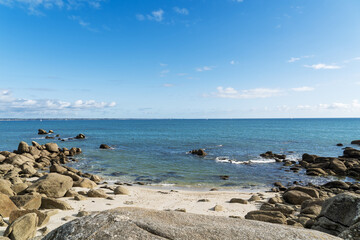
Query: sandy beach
158, 198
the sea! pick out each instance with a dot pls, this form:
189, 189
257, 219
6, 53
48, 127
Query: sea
156, 151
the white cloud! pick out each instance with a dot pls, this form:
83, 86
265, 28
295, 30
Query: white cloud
35, 6
230, 92
182, 11
168, 85
8, 103
352, 59
156, 15
233, 62
82, 23
295, 59
238, 0
164, 72
349, 107
163, 64
79, 20
303, 89
205, 68
322, 66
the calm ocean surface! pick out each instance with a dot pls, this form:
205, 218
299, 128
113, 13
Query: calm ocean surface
155, 151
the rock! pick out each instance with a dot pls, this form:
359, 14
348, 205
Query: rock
284, 209
23, 148
199, 152
51, 203
96, 193
339, 144
20, 159
42, 132
71, 193
82, 213
266, 216
19, 187
276, 199
23, 228
43, 217
80, 136
2, 223
5, 168
51, 131
136, 224
271, 155
85, 183
338, 166
27, 201
316, 172
204, 200
52, 147
219, 208
104, 146
337, 184
296, 197
254, 198
56, 168
6, 205
352, 233
308, 190
52, 185
79, 197
121, 190
28, 169
224, 177
357, 142
351, 153
5, 188
309, 158
238, 200
338, 213
95, 178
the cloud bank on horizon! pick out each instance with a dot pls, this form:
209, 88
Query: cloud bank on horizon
181, 59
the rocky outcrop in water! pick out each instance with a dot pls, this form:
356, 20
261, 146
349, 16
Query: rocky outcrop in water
199, 152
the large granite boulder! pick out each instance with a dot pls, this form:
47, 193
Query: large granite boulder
52, 147
23, 148
6, 205
52, 185
137, 223
23, 228
338, 213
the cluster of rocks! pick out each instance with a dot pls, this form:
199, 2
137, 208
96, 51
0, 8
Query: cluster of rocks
49, 136
271, 155
346, 165
32, 178
333, 208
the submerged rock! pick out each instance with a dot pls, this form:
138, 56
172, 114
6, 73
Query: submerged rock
137, 223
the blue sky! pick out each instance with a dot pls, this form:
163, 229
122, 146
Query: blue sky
179, 58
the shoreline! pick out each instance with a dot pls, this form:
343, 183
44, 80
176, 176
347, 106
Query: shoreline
157, 198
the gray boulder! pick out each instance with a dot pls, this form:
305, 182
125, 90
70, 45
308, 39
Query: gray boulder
137, 223
338, 213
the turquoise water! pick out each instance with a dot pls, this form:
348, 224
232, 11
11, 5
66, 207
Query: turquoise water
155, 151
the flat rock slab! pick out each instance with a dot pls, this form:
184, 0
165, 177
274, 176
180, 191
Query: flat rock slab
138, 223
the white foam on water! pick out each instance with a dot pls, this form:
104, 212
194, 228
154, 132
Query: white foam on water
252, 161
